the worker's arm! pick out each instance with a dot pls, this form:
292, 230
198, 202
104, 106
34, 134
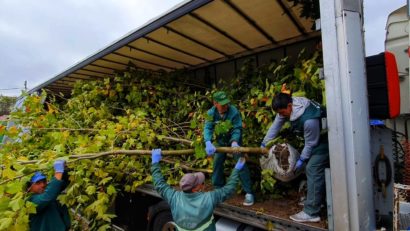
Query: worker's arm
160, 185
274, 129
237, 128
209, 126
221, 194
60, 173
311, 132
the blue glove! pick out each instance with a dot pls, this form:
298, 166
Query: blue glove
235, 145
156, 155
209, 148
59, 166
263, 145
299, 164
241, 162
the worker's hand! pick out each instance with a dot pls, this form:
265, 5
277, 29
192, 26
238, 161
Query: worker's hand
209, 148
263, 145
156, 155
299, 164
235, 145
241, 162
59, 166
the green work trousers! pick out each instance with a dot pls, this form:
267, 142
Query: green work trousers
218, 176
316, 187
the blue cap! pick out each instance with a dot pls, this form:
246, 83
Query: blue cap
37, 177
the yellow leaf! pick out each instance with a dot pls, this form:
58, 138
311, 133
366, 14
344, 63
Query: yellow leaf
100, 173
118, 127
269, 225
66, 134
284, 89
133, 124
50, 109
13, 130
22, 158
8, 173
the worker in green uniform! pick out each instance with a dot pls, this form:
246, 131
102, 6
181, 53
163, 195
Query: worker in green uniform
50, 215
305, 117
224, 111
192, 209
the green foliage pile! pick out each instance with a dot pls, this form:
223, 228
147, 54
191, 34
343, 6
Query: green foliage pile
136, 110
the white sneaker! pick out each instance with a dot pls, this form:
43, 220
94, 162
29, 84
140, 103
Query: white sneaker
304, 217
249, 200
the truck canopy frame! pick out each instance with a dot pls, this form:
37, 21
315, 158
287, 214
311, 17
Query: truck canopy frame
193, 34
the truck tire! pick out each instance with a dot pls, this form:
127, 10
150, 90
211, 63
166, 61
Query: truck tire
163, 222
161, 217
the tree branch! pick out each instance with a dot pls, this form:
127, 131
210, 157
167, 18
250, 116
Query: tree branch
248, 150
185, 141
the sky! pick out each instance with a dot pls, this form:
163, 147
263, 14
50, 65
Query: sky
40, 39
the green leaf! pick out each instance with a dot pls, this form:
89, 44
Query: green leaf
82, 199
90, 190
193, 124
5, 223
223, 127
106, 217
105, 180
8, 173
16, 204
104, 227
30, 207
4, 203
111, 190
199, 151
127, 188
14, 187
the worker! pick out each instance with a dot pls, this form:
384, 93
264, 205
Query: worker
305, 118
50, 215
191, 208
224, 111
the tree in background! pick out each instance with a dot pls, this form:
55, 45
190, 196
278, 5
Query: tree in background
6, 103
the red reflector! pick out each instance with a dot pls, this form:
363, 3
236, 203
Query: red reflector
393, 85
383, 86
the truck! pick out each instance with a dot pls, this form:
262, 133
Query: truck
211, 39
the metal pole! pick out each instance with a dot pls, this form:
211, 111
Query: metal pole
348, 116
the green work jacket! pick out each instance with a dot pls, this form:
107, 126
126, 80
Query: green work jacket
192, 210
235, 134
51, 215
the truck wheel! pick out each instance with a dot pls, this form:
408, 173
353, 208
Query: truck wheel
163, 222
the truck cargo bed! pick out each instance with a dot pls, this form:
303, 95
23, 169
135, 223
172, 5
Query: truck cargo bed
270, 214
273, 213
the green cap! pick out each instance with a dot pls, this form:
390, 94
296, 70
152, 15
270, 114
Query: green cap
221, 98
